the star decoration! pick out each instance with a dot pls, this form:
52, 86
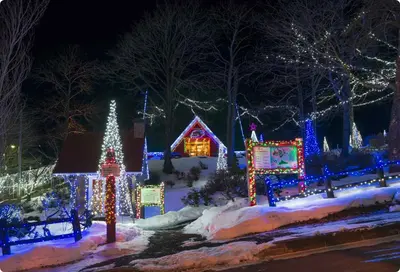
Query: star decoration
253, 127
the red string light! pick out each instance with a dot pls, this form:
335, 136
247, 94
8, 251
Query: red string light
110, 200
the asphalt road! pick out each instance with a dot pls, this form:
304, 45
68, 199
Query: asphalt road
379, 258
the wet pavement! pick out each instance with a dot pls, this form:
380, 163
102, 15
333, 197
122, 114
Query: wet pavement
379, 258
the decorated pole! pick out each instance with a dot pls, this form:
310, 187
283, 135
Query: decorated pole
110, 209
110, 170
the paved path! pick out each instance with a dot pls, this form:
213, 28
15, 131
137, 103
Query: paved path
379, 258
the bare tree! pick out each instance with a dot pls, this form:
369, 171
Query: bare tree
163, 54
68, 78
231, 63
332, 38
22, 142
17, 19
387, 13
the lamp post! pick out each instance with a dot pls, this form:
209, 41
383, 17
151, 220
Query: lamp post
19, 157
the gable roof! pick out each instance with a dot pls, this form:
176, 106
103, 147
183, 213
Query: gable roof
81, 153
195, 121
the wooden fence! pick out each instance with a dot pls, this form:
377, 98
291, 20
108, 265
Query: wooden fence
6, 227
380, 180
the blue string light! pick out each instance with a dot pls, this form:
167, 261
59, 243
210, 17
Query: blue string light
270, 192
311, 145
310, 179
145, 163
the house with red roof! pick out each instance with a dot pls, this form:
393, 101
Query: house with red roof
78, 162
197, 139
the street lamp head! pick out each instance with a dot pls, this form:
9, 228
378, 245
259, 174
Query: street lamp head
13, 146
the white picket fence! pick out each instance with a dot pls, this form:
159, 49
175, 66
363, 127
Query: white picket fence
11, 186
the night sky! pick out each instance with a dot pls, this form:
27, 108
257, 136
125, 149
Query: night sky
93, 24
96, 25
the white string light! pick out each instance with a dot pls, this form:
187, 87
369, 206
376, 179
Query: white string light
112, 139
221, 162
355, 138
326, 145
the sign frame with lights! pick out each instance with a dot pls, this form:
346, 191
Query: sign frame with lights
252, 170
140, 205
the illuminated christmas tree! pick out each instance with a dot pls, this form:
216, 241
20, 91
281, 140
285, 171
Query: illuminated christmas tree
355, 139
326, 146
221, 162
311, 145
112, 140
261, 138
145, 163
253, 136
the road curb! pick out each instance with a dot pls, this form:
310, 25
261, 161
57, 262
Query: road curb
329, 239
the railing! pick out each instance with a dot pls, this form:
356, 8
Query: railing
6, 228
327, 179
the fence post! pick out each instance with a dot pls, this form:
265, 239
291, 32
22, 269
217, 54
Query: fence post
5, 246
301, 186
328, 183
381, 176
270, 192
76, 225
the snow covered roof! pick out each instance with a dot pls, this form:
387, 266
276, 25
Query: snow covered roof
80, 153
195, 121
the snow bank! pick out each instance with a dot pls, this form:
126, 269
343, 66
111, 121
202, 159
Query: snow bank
232, 254
171, 218
65, 251
232, 220
394, 208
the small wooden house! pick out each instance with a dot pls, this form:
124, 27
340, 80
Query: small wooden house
197, 140
78, 162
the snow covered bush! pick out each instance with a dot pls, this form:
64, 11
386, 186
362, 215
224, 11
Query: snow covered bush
189, 181
195, 173
179, 175
231, 184
196, 198
56, 203
192, 198
12, 214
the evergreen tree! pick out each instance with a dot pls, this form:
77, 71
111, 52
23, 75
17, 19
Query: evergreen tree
326, 146
311, 144
221, 163
112, 139
356, 138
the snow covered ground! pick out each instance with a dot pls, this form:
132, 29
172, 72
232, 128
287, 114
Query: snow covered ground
171, 218
92, 247
224, 222
234, 220
177, 213
236, 252
174, 195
